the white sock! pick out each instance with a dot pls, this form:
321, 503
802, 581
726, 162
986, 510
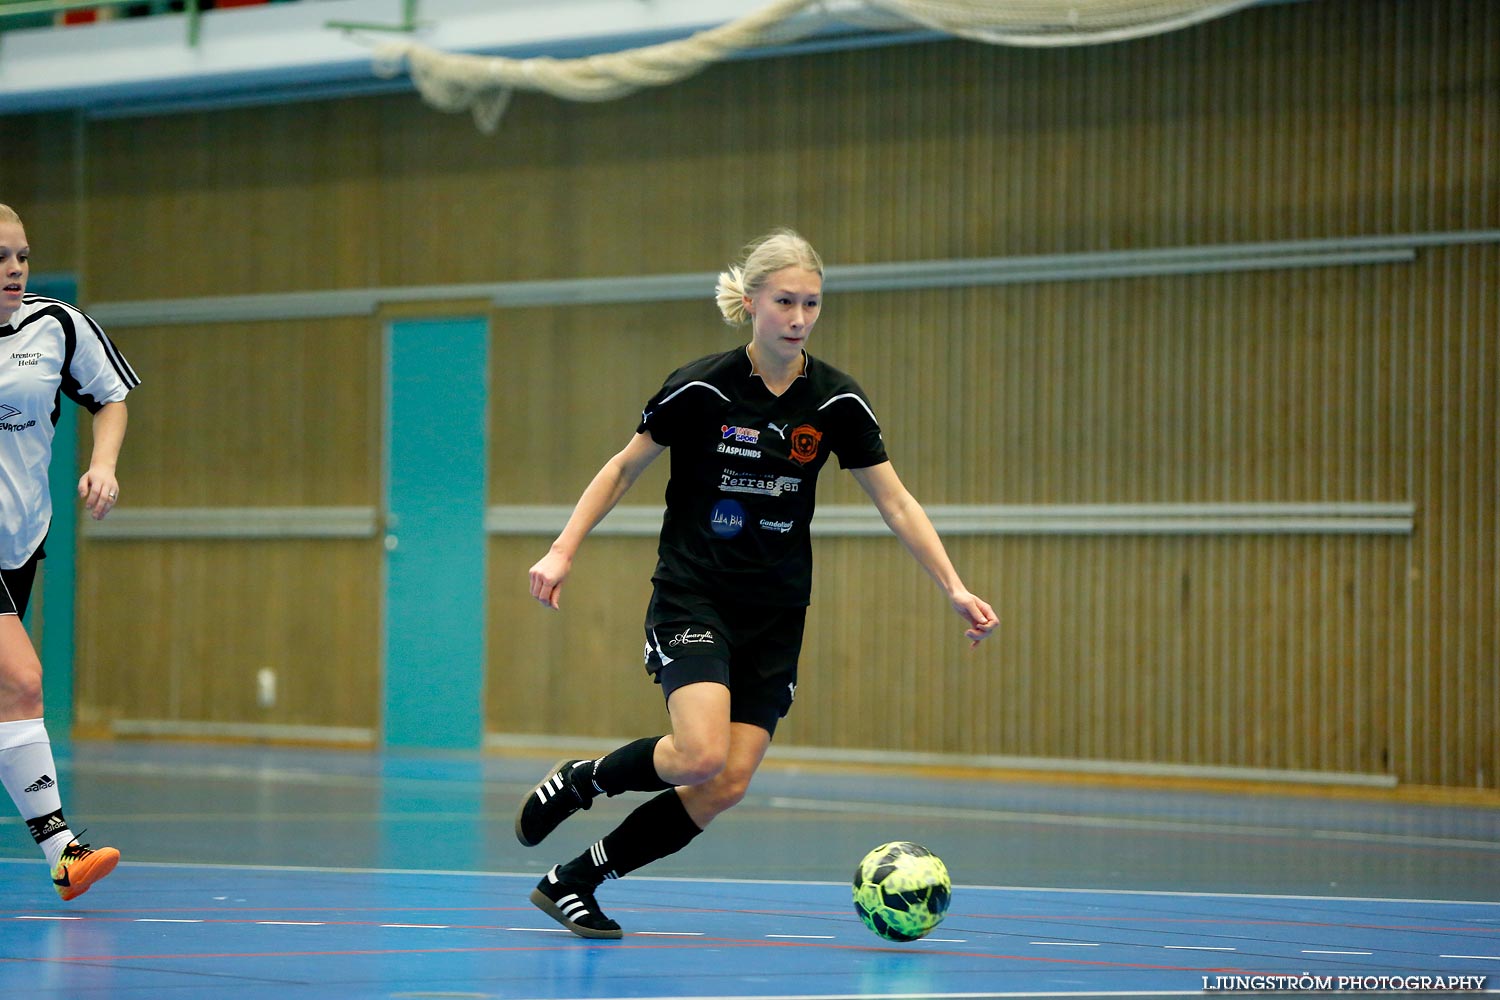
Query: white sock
30, 776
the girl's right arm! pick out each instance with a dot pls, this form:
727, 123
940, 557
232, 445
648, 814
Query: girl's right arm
598, 499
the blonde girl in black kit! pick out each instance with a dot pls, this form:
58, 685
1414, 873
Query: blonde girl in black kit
748, 430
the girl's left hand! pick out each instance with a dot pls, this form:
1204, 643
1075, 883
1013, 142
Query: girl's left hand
979, 615
99, 491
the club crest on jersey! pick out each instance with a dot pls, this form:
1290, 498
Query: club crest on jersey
805, 442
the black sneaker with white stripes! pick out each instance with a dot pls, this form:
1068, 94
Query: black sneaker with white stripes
573, 905
551, 802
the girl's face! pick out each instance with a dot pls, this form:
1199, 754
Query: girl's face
15, 265
783, 312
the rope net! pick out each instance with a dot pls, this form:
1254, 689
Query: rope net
483, 85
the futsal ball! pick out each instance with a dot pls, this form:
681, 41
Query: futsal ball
901, 891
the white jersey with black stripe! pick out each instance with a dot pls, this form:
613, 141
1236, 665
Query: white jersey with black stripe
48, 349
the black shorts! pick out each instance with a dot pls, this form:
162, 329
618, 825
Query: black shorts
752, 649
15, 586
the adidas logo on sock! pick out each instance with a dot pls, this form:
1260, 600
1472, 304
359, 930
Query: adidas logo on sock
48, 826
45, 781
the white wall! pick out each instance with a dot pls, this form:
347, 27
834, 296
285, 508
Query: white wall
284, 51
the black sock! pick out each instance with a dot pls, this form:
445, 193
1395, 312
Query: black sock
658, 827
629, 769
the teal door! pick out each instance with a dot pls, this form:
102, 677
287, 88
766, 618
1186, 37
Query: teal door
55, 594
436, 431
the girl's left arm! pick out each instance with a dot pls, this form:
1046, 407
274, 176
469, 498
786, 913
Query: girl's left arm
909, 521
98, 488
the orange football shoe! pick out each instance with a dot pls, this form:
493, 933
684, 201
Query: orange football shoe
80, 867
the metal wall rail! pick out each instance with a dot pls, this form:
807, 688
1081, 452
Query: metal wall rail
856, 520
1208, 259
834, 520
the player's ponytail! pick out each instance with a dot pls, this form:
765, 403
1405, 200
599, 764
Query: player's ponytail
777, 250
730, 294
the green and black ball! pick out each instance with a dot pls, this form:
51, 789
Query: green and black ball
901, 891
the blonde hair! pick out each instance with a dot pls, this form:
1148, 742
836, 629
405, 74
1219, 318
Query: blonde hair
775, 251
8, 214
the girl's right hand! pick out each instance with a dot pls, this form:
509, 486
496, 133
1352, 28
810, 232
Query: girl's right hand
547, 578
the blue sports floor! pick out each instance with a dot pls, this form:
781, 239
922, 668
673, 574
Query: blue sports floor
302, 874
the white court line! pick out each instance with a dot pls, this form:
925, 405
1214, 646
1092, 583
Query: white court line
668, 933
803, 937
21, 917
165, 920
1196, 947
290, 923
431, 927
1477, 958
1065, 944
1320, 951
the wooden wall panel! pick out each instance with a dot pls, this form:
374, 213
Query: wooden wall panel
1313, 653
177, 631
40, 179
253, 414
1354, 117
270, 199
1453, 468
578, 670
574, 382
1284, 122
274, 414
1278, 652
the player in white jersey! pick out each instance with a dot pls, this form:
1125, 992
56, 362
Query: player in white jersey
48, 349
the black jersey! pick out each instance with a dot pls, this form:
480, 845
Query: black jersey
744, 473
